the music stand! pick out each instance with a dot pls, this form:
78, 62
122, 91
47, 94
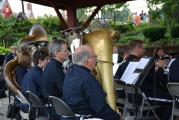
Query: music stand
141, 69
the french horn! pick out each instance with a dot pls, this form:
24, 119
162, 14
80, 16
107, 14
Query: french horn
102, 43
37, 38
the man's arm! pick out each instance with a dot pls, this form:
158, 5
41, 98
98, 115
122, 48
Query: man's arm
97, 100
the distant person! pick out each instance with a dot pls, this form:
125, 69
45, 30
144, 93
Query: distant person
137, 20
142, 15
11, 55
82, 92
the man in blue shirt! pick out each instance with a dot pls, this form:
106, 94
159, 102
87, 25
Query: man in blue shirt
82, 92
174, 70
33, 78
53, 76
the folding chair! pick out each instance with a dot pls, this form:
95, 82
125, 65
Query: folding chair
61, 107
36, 103
173, 88
138, 109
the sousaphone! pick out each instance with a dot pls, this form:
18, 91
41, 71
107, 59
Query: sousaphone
37, 39
102, 44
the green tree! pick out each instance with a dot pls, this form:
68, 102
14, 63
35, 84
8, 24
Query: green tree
170, 9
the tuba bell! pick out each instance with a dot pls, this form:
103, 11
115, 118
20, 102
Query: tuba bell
37, 34
37, 39
101, 42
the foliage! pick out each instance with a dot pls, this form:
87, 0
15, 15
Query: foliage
170, 10
130, 36
4, 51
51, 25
11, 30
111, 13
122, 28
82, 14
175, 31
154, 33
7, 32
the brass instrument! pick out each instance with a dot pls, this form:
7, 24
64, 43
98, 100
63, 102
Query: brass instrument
37, 36
101, 42
9, 75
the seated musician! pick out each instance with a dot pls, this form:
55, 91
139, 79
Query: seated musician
123, 53
24, 64
174, 70
82, 92
33, 78
159, 53
53, 75
153, 78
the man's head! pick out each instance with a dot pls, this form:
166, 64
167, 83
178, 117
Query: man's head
85, 56
136, 48
123, 51
58, 49
13, 49
40, 58
159, 52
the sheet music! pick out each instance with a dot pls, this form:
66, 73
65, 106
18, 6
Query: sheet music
115, 58
130, 76
142, 63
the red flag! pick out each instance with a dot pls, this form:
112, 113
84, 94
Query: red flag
7, 9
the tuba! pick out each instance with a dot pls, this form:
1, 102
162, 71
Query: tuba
101, 42
37, 39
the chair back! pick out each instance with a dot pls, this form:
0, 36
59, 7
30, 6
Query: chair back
173, 88
61, 107
34, 100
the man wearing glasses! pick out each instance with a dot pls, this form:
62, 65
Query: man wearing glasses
82, 92
53, 76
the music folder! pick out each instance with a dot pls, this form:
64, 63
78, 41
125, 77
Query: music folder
136, 71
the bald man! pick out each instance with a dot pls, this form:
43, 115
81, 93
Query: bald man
82, 92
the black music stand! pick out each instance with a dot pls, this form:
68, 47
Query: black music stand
133, 85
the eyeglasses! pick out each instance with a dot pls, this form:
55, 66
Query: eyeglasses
93, 56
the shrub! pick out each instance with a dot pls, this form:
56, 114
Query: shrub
122, 28
154, 33
174, 30
4, 51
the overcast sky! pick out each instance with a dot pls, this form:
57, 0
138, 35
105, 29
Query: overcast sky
39, 10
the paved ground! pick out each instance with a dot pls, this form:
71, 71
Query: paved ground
3, 108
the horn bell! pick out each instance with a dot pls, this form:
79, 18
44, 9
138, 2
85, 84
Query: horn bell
9, 75
37, 34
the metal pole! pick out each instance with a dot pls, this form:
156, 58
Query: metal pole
22, 6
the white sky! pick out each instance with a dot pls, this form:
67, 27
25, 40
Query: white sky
39, 10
